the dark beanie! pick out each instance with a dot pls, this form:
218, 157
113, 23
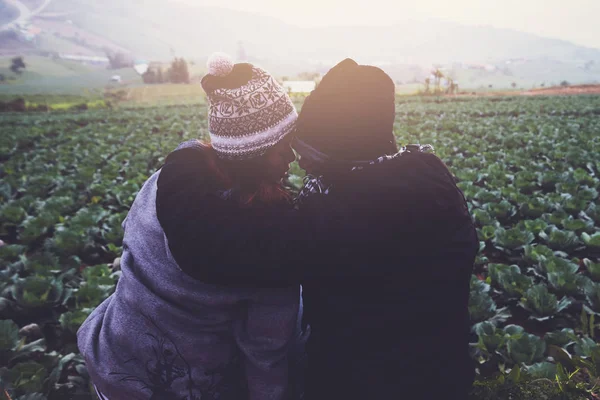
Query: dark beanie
350, 115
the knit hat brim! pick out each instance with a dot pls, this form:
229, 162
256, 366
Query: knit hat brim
256, 143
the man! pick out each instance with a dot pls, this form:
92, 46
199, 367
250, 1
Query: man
383, 245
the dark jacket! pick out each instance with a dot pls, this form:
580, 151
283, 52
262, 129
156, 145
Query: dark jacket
385, 259
164, 334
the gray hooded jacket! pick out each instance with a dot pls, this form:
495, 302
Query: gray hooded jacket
165, 335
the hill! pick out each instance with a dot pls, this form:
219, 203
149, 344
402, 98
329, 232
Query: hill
477, 56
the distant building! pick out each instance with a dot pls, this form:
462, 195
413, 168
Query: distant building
84, 59
141, 67
115, 78
299, 86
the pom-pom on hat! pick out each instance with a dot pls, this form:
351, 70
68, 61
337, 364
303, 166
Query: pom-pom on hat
219, 64
249, 111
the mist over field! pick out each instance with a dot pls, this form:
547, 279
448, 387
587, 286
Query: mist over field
407, 47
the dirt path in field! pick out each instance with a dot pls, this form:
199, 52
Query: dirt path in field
551, 91
563, 90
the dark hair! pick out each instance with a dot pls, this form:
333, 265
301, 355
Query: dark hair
248, 177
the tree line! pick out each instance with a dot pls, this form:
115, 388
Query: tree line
177, 73
452, 87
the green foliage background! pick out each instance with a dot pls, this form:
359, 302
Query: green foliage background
527, 166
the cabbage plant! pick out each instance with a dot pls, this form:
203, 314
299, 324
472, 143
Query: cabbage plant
534, 226
542, 304
534, 207
510, 279
577, 225
536, 253
501, 211
566, 282
512, 239
542, 370
591, 241
490, 337
526, 349
593, 212
14, 348
486, 233
592, 297
26, 377
481, 304
558, 239
39, 291
560, 338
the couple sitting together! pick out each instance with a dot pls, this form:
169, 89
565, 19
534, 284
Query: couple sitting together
232, 288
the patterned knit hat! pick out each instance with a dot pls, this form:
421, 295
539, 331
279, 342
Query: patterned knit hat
249, 111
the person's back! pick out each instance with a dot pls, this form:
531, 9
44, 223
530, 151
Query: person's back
406, 331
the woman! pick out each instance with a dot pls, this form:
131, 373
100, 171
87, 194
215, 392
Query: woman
164, 334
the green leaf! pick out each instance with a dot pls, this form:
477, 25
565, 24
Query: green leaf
502, 210
535, 253
556, 218
526, 349
12, 213
566, 282
510, 279
489, 336
10, 253
515, 375
577, 225
72, 320
592, 296
483, 218
542, 304
593, 241
560, 356
9, 335
545, 370
535, 207
56, 373
560, 338
486, 233
36, 291
557, 239
481, 306
584, 346
28, 376
593, 268
534, 226
512, 239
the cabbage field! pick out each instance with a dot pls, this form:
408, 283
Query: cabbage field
529, 168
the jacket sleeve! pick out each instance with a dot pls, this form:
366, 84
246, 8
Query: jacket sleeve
220, 243
278, 247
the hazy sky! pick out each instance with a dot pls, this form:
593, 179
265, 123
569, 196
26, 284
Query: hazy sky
574, 20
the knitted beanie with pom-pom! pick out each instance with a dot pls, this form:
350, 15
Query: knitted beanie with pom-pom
249, 111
